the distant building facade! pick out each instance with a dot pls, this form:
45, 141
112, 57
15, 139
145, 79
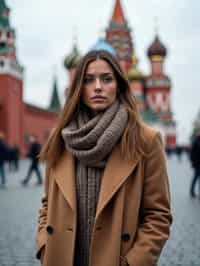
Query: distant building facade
19, 120
152, 91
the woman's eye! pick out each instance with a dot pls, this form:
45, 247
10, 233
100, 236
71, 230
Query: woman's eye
107, 79
88, 80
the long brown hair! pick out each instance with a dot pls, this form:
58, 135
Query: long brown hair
132, 138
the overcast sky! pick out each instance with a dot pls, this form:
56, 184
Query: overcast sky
45, 31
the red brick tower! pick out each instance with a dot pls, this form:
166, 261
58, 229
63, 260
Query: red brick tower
118, 34
11, 83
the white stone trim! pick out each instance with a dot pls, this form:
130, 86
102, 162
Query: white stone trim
156, 101
11, 67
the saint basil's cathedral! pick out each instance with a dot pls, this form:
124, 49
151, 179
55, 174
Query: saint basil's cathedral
19, 120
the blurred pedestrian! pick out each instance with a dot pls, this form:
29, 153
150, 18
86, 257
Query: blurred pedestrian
33, 154
3, 156
195, 162
179, 152
187, 151
16, 154
106, 200
168, 151
10, 158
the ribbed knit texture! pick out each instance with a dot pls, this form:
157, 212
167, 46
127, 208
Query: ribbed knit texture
91, 141
88, 182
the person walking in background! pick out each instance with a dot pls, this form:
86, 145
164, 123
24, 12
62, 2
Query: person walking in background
12, 157
33, 154
106, 200
16, 154
179, 152
195, 162
3, 157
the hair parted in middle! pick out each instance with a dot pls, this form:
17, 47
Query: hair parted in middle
132, 138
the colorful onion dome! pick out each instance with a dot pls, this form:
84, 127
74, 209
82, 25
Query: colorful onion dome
157, 48
73, 58
134, 73
101, 44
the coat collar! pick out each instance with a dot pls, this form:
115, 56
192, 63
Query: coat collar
116, 172
64, 174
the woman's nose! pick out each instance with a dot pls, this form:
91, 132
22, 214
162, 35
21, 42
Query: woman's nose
97, 84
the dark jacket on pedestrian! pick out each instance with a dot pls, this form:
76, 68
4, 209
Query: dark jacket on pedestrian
3, 152
34, 152
195, 153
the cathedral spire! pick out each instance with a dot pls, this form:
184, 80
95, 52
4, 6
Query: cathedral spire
55, 105
118, 13
118, 35
4, 15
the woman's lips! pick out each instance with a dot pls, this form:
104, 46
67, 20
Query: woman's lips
98, 98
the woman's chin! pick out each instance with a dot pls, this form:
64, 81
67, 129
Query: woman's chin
98, 108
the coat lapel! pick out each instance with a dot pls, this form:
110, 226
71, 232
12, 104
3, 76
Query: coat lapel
116, 172
64, 173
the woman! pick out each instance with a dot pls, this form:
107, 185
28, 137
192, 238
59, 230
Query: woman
106, 200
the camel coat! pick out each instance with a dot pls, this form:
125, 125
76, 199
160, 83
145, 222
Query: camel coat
133, 212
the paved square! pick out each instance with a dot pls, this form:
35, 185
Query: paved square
19, 208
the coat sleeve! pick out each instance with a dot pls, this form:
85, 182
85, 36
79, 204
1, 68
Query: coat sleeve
42, 220
153, 228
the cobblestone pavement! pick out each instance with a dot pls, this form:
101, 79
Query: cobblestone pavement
19, 208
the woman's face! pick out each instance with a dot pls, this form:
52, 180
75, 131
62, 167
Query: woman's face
100, 86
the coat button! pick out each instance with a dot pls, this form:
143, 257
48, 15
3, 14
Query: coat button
125, 237
49, 230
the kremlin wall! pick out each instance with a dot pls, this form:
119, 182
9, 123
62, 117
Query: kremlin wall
19, 120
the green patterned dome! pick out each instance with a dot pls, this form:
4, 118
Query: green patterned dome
72, 59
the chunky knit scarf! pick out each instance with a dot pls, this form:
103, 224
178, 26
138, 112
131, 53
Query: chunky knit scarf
91, 140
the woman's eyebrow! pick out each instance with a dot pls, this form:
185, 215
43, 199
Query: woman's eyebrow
101, 74
89, 74
106, 73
